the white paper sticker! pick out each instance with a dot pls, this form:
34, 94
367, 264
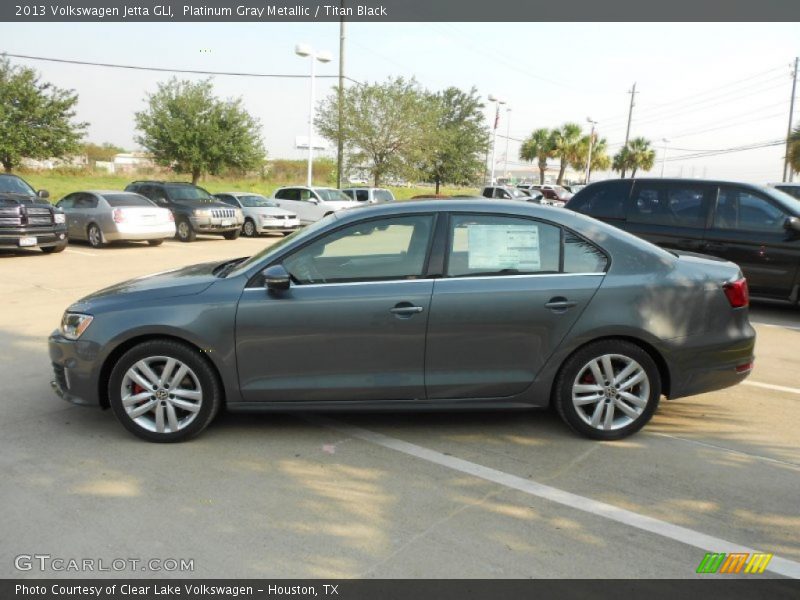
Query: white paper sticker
497, 247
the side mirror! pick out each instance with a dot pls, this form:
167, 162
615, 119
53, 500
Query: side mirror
792, 223
43, 194
276, 278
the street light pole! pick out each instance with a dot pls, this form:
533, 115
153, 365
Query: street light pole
787, 172
591, 143
304, 50
664, 156
508, 133
498, 102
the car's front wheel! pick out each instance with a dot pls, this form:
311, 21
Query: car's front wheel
608, 389
185, 231
232, 235
249, 228
164, 391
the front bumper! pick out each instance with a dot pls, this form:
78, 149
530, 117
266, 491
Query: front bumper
215, 225
265, 225
74, 369
45, 237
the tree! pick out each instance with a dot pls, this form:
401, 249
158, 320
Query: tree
635, 156
36, 119
187, 128
459, 139
794, 150
566, 141
97, 152
388, 127
600, 158
538, 147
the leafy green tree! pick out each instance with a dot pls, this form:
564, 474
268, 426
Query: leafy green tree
387, 127
539, 147
637, 155
600, 159
98, 152
794, 150
566, 141
36, 119
188, 129
459, 139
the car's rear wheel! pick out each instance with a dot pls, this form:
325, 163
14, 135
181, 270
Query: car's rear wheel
608, 389
95, 236
249, 228
164, 391
185, 231
232, 235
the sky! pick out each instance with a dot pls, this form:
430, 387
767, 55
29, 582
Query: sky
702, 86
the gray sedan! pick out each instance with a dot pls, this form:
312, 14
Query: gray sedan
100, 217
422, 305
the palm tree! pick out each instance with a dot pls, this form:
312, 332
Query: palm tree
636, 155
794, 150
600, 158
566, 142
538, 147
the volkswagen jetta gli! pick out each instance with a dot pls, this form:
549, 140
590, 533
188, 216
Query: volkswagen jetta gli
421, 305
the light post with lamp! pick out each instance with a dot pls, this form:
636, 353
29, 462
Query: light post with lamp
306, 51
591, 144
498, 102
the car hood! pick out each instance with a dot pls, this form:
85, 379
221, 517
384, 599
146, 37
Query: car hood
342, 204
184, 281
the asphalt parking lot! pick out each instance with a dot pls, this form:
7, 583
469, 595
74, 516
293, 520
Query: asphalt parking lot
495, 495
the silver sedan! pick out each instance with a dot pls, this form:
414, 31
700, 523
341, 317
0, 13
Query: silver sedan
100, 217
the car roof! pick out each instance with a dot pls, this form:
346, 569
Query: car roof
108, 192
240, 194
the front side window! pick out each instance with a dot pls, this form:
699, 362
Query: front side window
683, 205
741, 209
383, 196
362, 195
494, 245
603, 201
383, 249
331, 195
85, 201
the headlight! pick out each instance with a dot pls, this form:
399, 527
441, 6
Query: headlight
59, 218
203, 213
74, 324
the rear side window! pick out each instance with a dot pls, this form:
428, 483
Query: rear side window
581, 256
680, 205
487, 192
744, 210
116, 200
603, 201
362, 195
85, 201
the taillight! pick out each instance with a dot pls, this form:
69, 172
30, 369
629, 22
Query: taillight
118, 215
170, 216
737, 293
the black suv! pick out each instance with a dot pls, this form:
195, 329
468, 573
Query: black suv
195, 210
27, 219
754, 226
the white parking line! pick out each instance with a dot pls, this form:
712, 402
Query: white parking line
777, 325
71, 251
780, 566
772, 386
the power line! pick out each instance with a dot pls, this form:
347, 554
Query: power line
173, 70
756, 146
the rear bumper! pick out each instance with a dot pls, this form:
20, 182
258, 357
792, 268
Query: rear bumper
140, 233
10, 239
74, 364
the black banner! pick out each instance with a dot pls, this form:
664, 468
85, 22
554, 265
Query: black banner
387, 589
397, 10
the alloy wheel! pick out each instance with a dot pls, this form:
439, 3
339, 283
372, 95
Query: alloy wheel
610, 392
95, 237
161, 394
249, 228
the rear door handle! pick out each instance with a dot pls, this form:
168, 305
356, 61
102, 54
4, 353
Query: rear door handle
559, 304
405, 309
714, 247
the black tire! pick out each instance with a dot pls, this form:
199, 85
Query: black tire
184, 231
155, 242
209, 387
232, 235
94, 236
577, 365
249, 228
54, 249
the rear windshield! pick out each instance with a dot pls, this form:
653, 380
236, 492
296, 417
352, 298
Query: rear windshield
117, 200
189, 192
332, 194
15, 185
383, 196
255, 201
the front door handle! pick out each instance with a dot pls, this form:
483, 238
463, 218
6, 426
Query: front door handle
714, 247
405, 310
559, 304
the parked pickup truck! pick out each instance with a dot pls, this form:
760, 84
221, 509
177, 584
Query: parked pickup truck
27, 219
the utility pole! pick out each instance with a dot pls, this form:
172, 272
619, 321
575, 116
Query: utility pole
589, 159
508, 135
787, 172
632, 92
340, 140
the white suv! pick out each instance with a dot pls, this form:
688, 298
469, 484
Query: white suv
310, 204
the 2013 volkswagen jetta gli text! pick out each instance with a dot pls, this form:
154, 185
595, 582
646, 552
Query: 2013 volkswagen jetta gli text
418, 305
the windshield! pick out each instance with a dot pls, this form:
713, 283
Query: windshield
332, 195
255, 201
116, 200
189, 193
383, 196
792, 190
14, 185
300, 234
515, 193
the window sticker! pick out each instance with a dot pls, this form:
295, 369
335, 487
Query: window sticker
497, 247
